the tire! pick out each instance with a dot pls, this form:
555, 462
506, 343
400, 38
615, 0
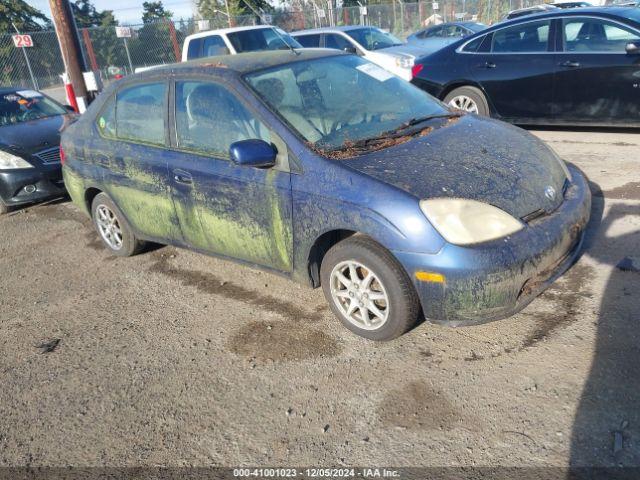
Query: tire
119, 237
400, 307
470, 99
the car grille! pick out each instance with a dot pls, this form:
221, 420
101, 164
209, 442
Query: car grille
50, 155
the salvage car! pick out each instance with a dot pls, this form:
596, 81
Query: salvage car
438, 36
374, 44
574, 66
30, 125
234, 40
327, 169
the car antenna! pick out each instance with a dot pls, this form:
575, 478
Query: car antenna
275, 29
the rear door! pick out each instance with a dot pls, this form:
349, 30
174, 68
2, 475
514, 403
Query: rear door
236, 211
132, 151
515, 66
597, 80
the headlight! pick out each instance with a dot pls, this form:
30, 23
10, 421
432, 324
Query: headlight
463, 222
404, 62
8, 161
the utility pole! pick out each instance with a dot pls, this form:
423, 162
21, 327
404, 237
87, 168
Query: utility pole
70, 47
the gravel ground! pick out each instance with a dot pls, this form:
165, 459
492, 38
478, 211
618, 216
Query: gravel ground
174, 358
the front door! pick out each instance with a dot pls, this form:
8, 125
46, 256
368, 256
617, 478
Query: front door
598, 81
236, 211
516, 70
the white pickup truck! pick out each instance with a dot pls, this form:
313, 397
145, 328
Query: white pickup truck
229, 41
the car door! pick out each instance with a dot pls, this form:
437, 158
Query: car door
597, 80
515, 67
131, 151
236, 211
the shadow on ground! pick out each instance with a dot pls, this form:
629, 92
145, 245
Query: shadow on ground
606, 429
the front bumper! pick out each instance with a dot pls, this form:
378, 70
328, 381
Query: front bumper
30, 185
497, 279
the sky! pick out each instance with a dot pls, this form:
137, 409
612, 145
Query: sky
126, 11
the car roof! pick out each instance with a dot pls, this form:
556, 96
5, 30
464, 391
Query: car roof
605, 11
224, 31
344, 28
5, 90
242, 62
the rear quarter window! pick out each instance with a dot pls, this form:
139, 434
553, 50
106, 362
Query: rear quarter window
309, 41
195, 48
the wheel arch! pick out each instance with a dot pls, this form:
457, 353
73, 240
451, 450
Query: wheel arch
318, 250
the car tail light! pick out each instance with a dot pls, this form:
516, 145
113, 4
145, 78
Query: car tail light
62, 156
416, 69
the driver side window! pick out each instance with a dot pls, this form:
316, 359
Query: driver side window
209, 118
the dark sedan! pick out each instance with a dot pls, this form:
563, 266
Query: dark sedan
30, 125
574, 66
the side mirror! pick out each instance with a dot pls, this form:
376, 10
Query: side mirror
351, 50
253, 153
632, 48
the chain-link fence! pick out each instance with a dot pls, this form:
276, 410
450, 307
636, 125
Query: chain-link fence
160, 43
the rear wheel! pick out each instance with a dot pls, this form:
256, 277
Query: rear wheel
368, 290
468, 99
114, 231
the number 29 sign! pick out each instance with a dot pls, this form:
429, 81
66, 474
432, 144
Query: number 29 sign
22, 40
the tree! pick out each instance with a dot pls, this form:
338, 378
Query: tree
25, 17
154, 11
210, 9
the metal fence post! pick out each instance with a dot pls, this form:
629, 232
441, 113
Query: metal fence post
26, 59
126, 47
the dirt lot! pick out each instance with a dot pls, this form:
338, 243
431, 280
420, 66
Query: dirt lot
174, 358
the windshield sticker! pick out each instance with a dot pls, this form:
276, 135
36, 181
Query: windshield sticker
375, 72
102, 123
29, 94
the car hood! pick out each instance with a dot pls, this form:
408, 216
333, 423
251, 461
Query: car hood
403, 50
34, 136
474, 158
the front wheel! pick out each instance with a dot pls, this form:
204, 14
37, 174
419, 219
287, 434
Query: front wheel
468, 99
116, 234
368, 290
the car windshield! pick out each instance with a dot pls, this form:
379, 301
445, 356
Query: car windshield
24, 105
262, 39
373, 38
335, 102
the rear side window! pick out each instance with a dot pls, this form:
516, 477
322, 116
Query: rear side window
140, 113
195, 48
596, 35
433, 32
473, 45
527, 37
333, 40
309, 41
214, 45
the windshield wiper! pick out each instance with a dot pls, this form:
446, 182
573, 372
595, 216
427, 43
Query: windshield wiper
417, 120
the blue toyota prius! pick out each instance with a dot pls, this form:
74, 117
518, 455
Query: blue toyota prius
323, 167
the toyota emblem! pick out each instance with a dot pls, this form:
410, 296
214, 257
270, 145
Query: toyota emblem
550, 192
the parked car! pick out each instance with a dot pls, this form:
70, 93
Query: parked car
438, 36
376, 45
571, 66
325, 168
230, 41
522, 12
30, 125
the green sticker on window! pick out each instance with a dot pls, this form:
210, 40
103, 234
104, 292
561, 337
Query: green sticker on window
102, 123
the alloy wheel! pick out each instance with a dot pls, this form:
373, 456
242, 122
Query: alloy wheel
109, 227
359, 295
462, 102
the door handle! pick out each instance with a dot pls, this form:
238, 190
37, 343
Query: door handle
489, 65
570, 64
181, 176
102, 160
